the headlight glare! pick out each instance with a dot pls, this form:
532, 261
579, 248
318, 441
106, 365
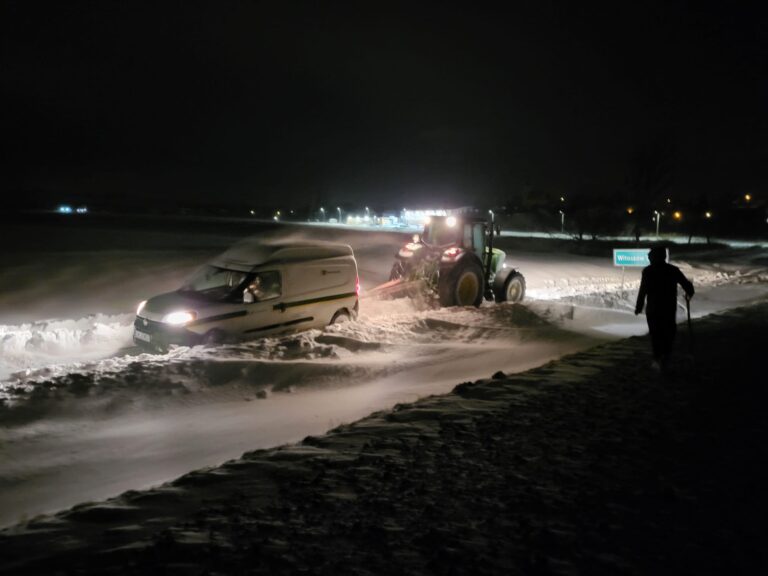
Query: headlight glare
141, 307
179, 317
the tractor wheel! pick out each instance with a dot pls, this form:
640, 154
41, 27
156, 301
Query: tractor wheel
512, 290
398, 271
462, 285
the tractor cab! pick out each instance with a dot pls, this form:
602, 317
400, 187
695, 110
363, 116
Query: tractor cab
447, 231
456, 236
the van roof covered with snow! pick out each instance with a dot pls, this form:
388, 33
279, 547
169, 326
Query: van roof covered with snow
253, 252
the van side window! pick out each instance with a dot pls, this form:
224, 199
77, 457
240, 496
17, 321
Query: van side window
265, 286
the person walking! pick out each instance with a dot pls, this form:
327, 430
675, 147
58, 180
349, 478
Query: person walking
659, 286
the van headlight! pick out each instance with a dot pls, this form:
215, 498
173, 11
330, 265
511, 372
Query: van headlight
179, 317
141, 307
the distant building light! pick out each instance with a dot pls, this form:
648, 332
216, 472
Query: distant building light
708, 214
630, 210
669, 200
747, 197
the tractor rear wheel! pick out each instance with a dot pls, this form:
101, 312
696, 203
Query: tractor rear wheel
462, 285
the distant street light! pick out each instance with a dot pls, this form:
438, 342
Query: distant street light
492, 215
658, 218
339, 210
562, 221
707, 215
747, 197
677, 215
322, 214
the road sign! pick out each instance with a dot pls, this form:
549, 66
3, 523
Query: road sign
631, 257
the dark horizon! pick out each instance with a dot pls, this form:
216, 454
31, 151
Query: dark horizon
246, 103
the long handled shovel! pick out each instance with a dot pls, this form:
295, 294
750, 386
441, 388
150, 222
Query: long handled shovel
690, 325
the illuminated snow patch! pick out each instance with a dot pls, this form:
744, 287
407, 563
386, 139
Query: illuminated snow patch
30, 346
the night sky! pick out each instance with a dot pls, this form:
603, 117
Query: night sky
286, 102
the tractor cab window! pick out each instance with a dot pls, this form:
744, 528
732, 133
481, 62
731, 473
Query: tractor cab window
478, 237
474, 237
468, 243
438, 233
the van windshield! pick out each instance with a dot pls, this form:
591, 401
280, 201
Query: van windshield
214, 283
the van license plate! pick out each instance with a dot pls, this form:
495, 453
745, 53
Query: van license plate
142, 336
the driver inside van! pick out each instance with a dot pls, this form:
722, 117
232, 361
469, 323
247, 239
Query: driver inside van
262, 287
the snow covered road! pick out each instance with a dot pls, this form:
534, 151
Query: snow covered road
98, 428
86, 416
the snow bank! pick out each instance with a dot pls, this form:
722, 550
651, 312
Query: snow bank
89, 355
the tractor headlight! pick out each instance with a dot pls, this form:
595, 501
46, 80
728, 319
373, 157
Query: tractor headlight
180, 317
451, 254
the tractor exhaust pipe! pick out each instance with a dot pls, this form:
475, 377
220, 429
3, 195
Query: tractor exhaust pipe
489, 259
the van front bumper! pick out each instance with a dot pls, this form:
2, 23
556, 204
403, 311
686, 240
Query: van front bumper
152, 334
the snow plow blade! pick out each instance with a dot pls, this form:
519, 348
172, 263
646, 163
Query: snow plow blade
398, 289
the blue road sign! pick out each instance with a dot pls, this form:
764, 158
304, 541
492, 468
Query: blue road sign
631, 257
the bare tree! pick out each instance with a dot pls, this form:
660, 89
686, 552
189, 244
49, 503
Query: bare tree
650, 174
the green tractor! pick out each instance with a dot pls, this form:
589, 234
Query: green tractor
456, 259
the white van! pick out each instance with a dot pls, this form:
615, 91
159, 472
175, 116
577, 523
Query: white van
254, 289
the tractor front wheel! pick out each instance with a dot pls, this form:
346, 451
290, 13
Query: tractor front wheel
511, 289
